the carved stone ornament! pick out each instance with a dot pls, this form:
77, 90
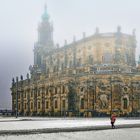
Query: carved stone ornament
104, 101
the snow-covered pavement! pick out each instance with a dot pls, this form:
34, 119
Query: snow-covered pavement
115, 134
29, 123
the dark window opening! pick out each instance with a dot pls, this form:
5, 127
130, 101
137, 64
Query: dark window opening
55, 104
82, 103
125, 105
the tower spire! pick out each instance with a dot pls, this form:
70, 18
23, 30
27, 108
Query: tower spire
45, 8
45, 16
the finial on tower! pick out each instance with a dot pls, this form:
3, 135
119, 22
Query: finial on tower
45, 15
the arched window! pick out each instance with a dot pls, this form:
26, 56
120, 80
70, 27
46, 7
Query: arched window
25, 107
82, 103
63, 104
55, 104
31, 105
82, 89
63, 89
47, 104
125, 103
38, 105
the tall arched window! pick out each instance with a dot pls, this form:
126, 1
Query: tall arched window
82, 103
55, 104
125, 103
63, 104
38, 105
31, 105
47, 104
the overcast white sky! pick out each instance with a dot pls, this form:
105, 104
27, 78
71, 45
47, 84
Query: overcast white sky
18, 29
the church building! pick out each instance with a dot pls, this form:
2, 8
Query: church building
93, 76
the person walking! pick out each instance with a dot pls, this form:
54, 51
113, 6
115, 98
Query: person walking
113, 119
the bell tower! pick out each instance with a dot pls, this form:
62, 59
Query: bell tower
45, 30
44, 43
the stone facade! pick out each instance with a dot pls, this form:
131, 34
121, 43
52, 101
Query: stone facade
93, 76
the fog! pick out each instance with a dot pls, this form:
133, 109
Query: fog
18, 29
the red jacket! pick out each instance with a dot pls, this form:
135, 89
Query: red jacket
113, 118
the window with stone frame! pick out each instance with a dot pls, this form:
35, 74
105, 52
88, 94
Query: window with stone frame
63, 104
125, 103
63, 89
82, 89
31, 105
38, 105
55, 104
82, 103
47, 104
25, 106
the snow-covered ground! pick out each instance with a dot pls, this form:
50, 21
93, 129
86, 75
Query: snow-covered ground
114, 134
43, 123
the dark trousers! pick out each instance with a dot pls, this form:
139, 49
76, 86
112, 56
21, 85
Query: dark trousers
112, 123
